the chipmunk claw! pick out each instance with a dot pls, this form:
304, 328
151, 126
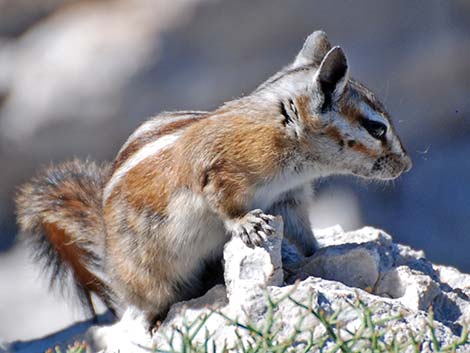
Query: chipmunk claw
253, 228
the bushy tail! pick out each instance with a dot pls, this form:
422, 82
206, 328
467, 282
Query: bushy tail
60, 213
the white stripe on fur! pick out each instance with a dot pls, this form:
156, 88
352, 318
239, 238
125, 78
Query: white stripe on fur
154, 124
146, 151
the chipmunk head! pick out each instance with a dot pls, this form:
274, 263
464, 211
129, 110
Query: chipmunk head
339, 121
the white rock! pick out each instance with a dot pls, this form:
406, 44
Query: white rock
336, 236
185, 313
406, 254
247, 268
127, 335
328, 236
353, 265
453, 277
414, 289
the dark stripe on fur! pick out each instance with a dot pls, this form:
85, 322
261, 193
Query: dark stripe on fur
151, 136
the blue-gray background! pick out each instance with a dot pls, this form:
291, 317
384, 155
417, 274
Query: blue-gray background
76, 77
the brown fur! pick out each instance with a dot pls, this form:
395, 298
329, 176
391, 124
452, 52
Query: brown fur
334, 134
359, 147
303, 104
350, 112
236, 159
74, 256
60, 213
149, 183
149, 136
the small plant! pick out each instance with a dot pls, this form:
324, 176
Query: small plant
371, 335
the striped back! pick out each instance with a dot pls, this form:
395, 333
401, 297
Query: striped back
150, 138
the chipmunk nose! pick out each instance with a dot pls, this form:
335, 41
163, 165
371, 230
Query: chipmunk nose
408, 164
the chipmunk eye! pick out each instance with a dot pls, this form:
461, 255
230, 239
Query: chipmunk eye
374, 128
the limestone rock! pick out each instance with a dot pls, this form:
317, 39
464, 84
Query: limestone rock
351, 264
336, 236
412, 288
356, 259
454, 278
246, 268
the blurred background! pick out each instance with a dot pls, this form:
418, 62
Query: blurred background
76, 77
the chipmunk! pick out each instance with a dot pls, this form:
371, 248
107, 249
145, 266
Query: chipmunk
138, 231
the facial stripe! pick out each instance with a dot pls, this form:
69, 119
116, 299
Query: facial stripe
333, 133
394, 143
309, 121
143, 153
361, 148
367, 96
359, 102
351, 113
290, 113
370, 113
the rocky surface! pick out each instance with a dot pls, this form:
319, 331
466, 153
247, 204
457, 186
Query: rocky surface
351, 270
389, 278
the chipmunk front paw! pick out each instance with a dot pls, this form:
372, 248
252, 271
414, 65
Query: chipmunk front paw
253, 228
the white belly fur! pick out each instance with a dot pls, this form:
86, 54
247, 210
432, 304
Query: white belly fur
268, 193
201, 233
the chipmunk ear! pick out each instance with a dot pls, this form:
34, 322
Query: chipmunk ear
332, 76
314, 50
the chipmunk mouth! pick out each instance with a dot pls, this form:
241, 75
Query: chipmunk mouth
391, 166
